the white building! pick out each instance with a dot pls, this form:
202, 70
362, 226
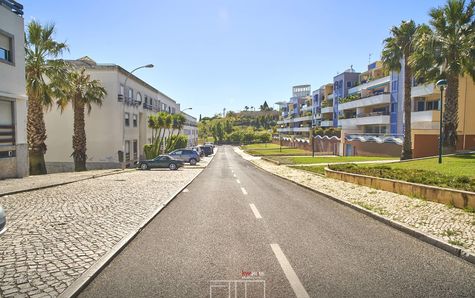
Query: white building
190, 129
120, 124
13, 100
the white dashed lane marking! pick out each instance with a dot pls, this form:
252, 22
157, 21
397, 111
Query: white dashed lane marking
244, 192
289, 272
255, 211
237, 180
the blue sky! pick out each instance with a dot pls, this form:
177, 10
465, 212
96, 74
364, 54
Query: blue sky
215, 54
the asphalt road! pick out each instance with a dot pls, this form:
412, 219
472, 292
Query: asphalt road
236, 220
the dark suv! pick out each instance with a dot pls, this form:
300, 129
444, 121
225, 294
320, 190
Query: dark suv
207, 149
186, 155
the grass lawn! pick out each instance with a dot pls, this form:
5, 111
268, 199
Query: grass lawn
459, 165
276, 152
261, 146
302, 160
314, 169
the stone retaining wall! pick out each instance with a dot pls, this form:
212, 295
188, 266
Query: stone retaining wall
457, 198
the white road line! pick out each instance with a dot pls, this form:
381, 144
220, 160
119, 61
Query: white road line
186, 190
244, 192
289, 272
255, 211
237, 180
234, 175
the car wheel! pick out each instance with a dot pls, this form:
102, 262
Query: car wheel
144, 166
192, 161
172, 166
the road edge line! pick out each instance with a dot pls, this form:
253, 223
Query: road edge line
86, 278
456, 251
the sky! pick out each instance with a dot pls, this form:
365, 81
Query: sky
215, 54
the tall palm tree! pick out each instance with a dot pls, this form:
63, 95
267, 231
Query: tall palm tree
178, 121
398, 48
446, 49
81, 91
43, 73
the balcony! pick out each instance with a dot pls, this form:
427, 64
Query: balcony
285, 129
423, 90
425, 119
370, 85
367, 101
327, 110
304, 118
147, 106
14, 6
375, 118
301, 129
326, 123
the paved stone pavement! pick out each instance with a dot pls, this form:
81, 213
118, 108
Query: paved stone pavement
452, 225
57, 233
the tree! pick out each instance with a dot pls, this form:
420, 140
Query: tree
446, 49
246, 108
43, 75
178, 121
398, 48
81, 92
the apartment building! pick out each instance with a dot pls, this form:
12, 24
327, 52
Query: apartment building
13, 99
296, 118
118, 130
190, 129
368, 107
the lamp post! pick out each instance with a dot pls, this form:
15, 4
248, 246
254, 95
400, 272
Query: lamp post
123, 110
441, 84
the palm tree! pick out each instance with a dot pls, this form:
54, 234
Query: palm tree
398, 48
81, 91
446, 49
43, 73
178, 121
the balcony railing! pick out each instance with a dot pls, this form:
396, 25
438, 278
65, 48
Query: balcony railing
14, 6
374, 99
147, 106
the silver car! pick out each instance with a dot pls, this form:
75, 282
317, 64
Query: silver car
186, 155
3, 221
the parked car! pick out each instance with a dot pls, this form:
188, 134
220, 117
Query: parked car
3, 221
161, 161
186, 155
209, 144
207, 149
199, 150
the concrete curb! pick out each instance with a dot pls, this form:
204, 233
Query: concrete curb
65, 183
83, 281
454, 250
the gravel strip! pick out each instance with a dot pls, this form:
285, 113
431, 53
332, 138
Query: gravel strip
452, 225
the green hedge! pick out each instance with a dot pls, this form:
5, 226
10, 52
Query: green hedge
410, 175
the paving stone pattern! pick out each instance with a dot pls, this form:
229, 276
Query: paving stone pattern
56, 234
452, 225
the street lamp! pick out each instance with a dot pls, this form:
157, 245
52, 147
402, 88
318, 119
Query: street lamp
441, 84
123, 110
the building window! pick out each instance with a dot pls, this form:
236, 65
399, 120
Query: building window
173, 111
127, 150
127, 120
7, 128
6, 47
131, 94
134, 120
121, 89
138, 98
348, 84
135, 149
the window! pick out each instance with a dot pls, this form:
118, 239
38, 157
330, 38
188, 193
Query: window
6, 47
121, 89
127, 120
131, 94
134, 120
348, 84
7, 128
135, 148
127, 150
138, 98
432, 105
394, 86
420, 105
173, 111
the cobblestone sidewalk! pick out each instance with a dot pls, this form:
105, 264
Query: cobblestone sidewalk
452, 225
56, 234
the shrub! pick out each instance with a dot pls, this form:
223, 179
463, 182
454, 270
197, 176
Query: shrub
410, 175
